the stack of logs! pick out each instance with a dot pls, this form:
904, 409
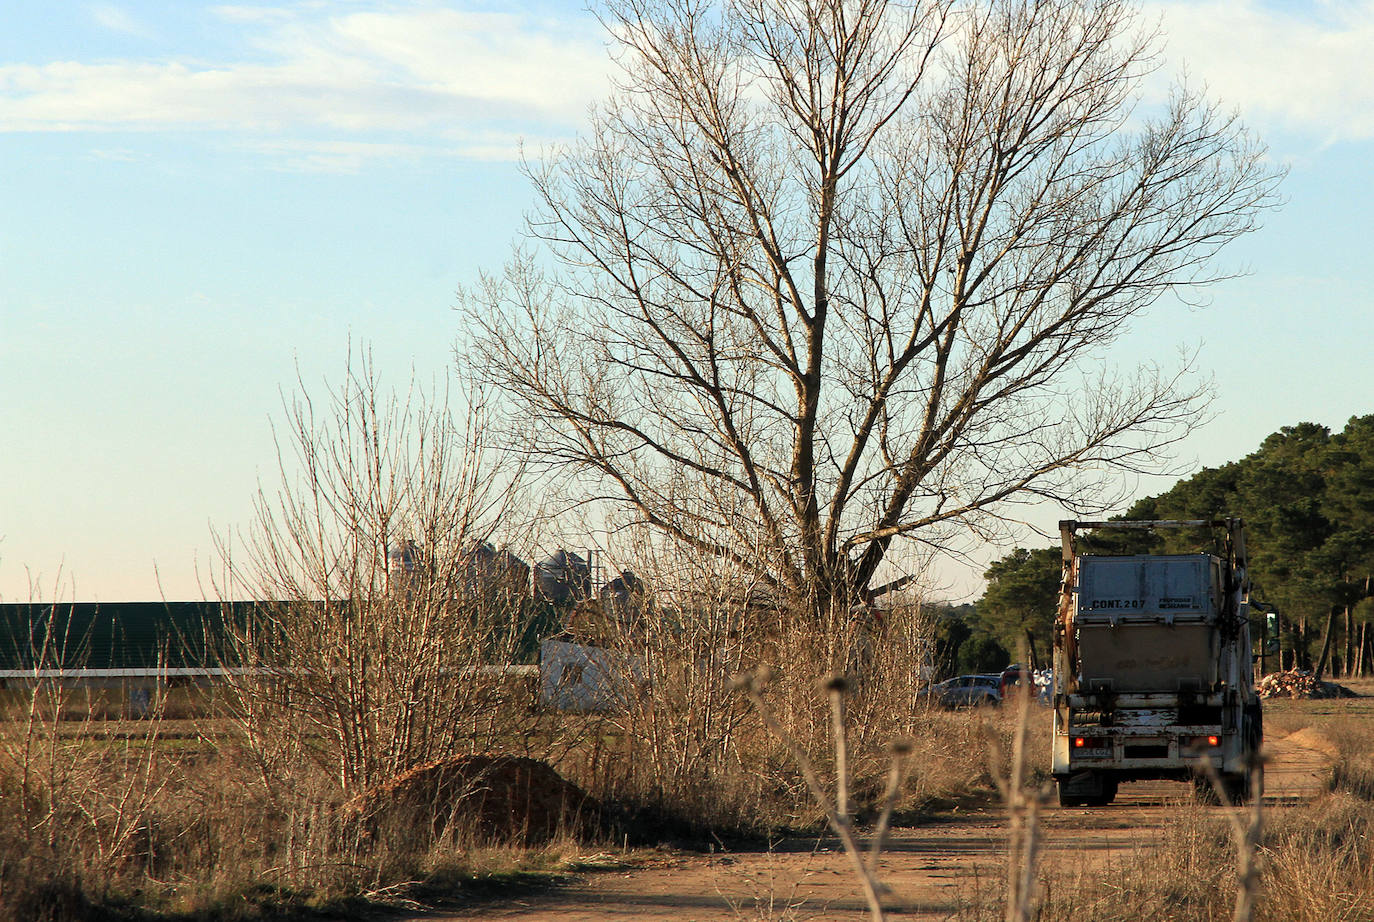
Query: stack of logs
1299, 683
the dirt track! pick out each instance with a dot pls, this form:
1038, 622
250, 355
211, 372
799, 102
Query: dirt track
929, 868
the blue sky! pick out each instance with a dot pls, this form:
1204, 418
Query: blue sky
195, 199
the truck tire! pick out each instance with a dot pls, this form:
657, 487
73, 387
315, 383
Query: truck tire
1065, 798
1109, 787
1235, 787
1078, 798
1240, 787
1254, 727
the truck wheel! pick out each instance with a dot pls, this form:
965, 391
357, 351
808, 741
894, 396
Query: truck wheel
1109, 788
1236, 788
1070, 798
1255, 727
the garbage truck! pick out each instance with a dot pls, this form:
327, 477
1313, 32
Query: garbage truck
1153, 668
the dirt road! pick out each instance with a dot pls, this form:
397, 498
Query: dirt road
930, 868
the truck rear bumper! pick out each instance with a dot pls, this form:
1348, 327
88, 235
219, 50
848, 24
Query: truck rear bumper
1147, 749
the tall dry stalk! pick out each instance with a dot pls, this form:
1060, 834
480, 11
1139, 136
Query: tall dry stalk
864, 862
1023, 801
1247, 833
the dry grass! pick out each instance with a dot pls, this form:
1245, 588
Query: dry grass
137, 830
1316, 859
693, 756
1189, 875
1315, 867
116, 814
111, 816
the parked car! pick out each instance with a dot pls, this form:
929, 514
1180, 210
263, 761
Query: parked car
1018, 676
1012, 677
967, 691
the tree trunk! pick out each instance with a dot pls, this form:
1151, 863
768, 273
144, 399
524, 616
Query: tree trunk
1359, 656
1366, 649
1326, 643
1348, 659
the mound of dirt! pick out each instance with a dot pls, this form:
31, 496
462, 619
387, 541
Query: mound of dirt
1299, 683
488, 798
1312, 738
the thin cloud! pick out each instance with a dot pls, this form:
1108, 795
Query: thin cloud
340, 157
252, 13
349, 157
1305, 71
117, 154
427, 71
418, 72
117, 19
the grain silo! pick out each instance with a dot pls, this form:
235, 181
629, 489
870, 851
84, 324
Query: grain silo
562, 577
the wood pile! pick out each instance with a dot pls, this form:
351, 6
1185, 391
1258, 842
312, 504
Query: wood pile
1299, 683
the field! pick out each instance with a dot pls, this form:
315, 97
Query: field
1153, 853
171, 818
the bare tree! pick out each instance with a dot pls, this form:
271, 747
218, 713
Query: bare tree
839, 272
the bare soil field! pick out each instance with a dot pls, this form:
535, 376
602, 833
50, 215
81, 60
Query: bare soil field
934, 869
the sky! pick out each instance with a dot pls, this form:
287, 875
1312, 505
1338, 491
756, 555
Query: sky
201, 202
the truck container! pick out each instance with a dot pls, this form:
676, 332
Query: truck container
1153, 670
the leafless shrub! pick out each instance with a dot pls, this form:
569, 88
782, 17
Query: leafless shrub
383, 626
386, 626
681, 641
693, 749
80, 809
